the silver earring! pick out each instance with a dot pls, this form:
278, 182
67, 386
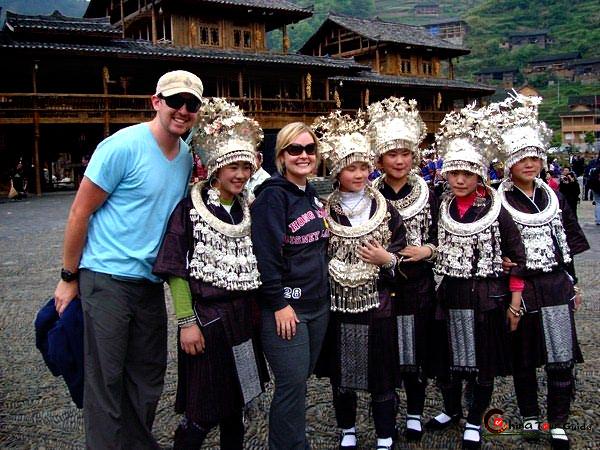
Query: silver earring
479, 198
508, 183
213, 196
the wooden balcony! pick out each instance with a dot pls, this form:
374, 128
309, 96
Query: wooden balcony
23, 109
271, 113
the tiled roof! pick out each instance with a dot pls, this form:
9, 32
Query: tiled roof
56, 22
582, 62
528, 33
496, 70
589, 100
382, 31
425, 82
97, 7
557, 57
145, 49
280, 5
439, 21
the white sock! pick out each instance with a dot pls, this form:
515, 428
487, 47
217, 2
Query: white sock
531, 425
384, 442
559, 433
349, 439
413, 422
443, 418
471, 435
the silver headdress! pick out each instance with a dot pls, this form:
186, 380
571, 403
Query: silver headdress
468, 140
523, 134
395, 123
343, 140
225, 135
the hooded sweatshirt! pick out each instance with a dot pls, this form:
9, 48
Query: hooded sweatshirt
290, 236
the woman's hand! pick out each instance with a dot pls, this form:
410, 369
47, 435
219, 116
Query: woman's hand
578, 301
286, 321
373, 252
507, 264
511, 320
414, 254
192, 340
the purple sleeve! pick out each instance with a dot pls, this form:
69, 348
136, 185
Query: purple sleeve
176, 248
575, 237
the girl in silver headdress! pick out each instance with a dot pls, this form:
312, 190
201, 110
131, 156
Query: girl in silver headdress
546, 333
208, 260
366, 235
474, 233
396, 130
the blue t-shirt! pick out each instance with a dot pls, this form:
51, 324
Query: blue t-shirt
143, 188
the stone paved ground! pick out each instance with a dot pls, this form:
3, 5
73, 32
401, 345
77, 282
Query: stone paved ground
35, 411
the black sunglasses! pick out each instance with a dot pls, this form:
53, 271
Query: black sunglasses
176, 101
297, 149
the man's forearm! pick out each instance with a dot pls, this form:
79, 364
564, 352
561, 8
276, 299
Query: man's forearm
75, 237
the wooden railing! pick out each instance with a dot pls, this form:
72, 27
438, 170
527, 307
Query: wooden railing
72, 106
90, 106
94, 108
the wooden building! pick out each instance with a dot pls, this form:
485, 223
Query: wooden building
583, 117
557, 64
73, 81
586, 71
505, 77
405, 61
516, 40
427, 9
502, 93
451, 29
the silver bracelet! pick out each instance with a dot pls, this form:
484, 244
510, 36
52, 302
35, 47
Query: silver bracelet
390, 264
186, 322
433, 249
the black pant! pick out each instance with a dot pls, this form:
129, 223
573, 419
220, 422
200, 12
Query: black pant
384, 408
452, 394
560, 391
415, 393
190, 436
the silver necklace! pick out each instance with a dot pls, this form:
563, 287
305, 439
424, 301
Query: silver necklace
531, 219
223, 255
340, 207
468, 229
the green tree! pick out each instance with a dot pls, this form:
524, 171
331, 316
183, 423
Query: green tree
589, 139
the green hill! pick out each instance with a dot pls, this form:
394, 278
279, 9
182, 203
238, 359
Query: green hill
573, 24
403, 11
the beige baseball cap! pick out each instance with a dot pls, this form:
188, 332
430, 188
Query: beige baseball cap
179, 81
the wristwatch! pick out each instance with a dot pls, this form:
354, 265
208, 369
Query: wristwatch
68, 276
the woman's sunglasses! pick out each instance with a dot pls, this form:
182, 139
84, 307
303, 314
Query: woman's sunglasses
176, 101
297, 149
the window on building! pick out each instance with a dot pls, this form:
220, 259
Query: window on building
209, 35
247, 39
214, 36
203, 35
405, 64
427, 67
242, 38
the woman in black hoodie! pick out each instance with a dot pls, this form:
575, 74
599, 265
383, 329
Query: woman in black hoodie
290, 237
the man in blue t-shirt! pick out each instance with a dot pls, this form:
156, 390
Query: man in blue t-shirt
115, 227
